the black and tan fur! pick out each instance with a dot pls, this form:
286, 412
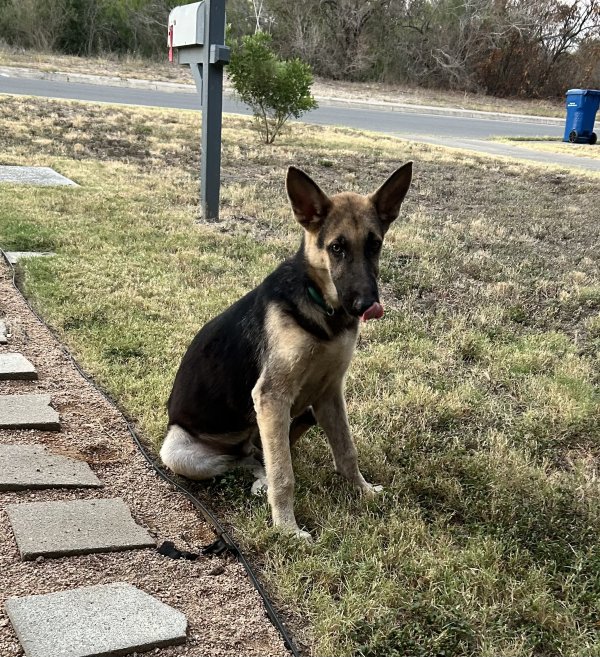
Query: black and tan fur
273, 364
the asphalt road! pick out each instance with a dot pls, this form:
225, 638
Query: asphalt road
390, 122
453, 131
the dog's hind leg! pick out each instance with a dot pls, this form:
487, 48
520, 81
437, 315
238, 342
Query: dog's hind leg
255, 464
192, 458
301, 424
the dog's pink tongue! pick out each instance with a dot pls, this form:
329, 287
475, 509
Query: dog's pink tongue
373, 312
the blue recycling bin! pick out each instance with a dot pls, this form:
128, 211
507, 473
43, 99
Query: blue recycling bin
582, 105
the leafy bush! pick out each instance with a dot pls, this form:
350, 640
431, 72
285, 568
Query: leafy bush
275, 89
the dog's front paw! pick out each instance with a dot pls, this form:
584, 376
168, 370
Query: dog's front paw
302, 535
260, 486
370, 490
295, 531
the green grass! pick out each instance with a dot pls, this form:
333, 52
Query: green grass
20, 234
475, 401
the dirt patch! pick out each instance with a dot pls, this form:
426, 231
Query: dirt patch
225, 613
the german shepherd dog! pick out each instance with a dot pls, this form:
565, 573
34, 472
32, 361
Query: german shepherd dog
272, 365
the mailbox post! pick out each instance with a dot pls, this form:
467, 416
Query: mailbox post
196, 37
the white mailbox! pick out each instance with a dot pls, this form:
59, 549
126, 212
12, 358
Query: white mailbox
186, 25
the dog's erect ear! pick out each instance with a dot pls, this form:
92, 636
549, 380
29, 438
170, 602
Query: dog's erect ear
388, 198
309, 203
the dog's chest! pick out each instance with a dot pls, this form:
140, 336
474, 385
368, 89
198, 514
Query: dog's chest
326, 365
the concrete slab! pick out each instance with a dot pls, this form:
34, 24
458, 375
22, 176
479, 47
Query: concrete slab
14, 256
16, 366
44, 176
28, 412
3, 332
56, 529
24, 467
95, 621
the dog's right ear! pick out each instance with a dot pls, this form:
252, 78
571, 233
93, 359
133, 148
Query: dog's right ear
309, 203
388, 198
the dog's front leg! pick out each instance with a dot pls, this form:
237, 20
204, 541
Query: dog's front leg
331, 415
273, 418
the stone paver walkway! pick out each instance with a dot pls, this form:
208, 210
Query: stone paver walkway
57, 529
31, 467
95, 621
15, 367
113, 619
14, 256
28, 412
33, 176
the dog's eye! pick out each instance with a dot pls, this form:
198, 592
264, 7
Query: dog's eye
336, 249
375, 246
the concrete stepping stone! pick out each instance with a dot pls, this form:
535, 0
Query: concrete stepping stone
3, 332
25, 467
16, 366
57, 529
14, 256
95, 621
44, 176
28, 412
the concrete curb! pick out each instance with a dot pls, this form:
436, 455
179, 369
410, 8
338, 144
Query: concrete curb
178, 87
407, 108
101, 80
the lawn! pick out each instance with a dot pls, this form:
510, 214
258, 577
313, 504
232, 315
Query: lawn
475, 401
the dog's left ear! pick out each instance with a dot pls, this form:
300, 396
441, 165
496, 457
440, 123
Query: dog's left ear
309, 202
388, 198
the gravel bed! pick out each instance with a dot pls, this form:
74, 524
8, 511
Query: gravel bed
225, 613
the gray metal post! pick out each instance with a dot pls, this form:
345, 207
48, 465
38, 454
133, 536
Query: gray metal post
206, 62
212, 108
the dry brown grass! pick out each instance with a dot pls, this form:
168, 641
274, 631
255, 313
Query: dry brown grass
126, 66
555, 146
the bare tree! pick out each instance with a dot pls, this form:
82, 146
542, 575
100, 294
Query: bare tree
34, 23
346, 21
567, 25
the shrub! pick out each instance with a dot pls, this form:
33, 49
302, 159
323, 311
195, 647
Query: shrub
275, 89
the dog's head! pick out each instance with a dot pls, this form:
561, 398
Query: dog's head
343, 237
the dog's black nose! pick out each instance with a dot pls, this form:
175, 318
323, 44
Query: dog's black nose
360, 305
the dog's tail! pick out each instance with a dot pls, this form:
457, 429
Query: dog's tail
190, 457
